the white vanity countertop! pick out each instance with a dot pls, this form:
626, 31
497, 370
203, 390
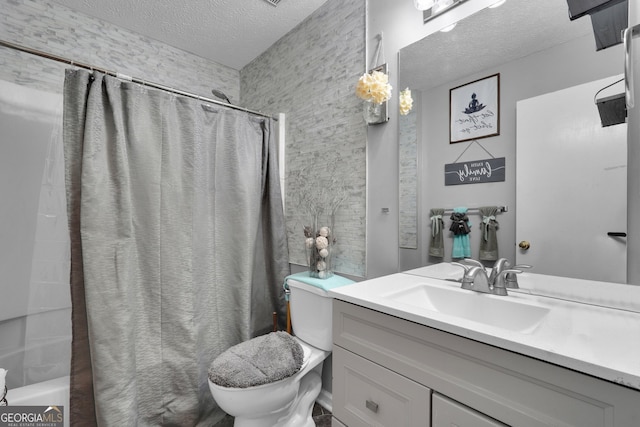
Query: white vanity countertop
600, 341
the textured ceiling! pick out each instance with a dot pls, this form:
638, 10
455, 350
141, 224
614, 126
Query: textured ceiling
492, 36
230, 32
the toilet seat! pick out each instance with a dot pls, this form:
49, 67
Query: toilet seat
306, 351
310, 355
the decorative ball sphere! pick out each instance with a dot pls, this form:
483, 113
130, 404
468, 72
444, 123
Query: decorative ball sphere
324, 253
325, 231
321, 242
309, 242
321, 266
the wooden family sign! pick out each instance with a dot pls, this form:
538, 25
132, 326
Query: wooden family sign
475, 172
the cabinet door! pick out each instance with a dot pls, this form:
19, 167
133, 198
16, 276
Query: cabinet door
367, 395
449, 413
336, 423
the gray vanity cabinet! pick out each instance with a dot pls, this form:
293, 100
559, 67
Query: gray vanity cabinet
391, 372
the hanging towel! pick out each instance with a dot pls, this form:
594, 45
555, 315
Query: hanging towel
489, 240
460, 227
436, 241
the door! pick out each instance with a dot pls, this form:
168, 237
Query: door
571, 177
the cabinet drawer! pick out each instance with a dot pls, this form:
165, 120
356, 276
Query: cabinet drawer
447, 413
366, 394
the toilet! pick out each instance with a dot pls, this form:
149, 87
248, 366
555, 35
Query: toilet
289, 402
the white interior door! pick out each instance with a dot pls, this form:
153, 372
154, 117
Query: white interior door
571, 185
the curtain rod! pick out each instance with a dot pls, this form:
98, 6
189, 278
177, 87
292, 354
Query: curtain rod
125, 77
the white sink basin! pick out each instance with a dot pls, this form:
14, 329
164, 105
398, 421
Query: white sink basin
499, 311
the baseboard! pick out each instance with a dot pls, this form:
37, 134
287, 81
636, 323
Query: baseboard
325, 399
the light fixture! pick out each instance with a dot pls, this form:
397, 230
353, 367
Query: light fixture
437, 7
433, 8
440, 5
423, 4
448, 28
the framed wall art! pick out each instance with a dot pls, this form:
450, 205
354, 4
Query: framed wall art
474, 110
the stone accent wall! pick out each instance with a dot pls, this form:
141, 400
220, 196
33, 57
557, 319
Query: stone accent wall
49, 27
310, 75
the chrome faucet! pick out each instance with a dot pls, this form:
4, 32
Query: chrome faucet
475, 277
510, 280
501, 280
474, 262
498, 267
477, 280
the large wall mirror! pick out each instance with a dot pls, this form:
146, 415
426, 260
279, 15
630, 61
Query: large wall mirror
538, 52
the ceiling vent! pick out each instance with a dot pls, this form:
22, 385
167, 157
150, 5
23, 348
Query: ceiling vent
273, 3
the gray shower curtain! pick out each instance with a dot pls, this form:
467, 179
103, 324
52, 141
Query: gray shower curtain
178, 247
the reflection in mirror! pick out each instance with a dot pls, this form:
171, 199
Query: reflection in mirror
537, 50
587, 175
408, 145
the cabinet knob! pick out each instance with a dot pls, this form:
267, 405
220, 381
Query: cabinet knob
372, 406
524, 245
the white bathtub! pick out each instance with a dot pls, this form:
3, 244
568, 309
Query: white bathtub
46, 393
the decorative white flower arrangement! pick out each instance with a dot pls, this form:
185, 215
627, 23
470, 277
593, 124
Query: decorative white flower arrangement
374, 87
320, 189
406, 102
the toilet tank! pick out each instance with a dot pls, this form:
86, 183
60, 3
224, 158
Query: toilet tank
312, 311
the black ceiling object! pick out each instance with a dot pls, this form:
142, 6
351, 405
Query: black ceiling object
612, 109
579, 8
608, 19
